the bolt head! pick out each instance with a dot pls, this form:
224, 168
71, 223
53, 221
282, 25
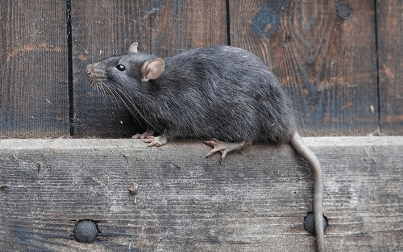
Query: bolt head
85, 231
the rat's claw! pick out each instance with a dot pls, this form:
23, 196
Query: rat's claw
155, 141
139, 136
216, 147
146, 135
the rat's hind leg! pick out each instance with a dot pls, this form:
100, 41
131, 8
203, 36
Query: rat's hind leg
225, 147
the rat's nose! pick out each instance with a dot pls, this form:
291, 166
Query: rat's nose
89, 70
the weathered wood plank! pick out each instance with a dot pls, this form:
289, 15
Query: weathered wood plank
390, 43
182, 25
323, 52
33, 69
108, 27
255, 201
102, 29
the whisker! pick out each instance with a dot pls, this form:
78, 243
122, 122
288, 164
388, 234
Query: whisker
107, 90
127, 98
122, 93
124, 99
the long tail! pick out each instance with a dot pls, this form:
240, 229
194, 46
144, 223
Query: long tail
304, 152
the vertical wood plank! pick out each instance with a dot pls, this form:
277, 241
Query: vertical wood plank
182, 25
102, 29
108, 27
390, 44
34, 98
323, 53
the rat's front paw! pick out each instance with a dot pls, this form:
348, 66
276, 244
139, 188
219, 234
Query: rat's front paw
156, 141
148, 134
140, 136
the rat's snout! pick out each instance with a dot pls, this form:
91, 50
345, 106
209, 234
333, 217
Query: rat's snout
89, 70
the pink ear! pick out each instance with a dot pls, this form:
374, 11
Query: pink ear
152, 70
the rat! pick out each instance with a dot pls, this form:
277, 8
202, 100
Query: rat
223, 94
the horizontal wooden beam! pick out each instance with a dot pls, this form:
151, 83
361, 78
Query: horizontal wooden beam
174, 199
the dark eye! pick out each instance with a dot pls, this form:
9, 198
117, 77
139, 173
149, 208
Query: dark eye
120, 67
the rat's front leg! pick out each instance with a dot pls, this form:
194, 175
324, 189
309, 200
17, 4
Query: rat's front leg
156, 141
149, 133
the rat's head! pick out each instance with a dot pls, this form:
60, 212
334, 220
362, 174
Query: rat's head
125, 74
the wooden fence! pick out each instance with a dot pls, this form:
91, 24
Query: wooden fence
340, 61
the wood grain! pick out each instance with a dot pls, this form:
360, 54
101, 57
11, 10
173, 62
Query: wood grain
255, 201
102, 29
323, 53
33, 69
108, 27
182, 25
390, 37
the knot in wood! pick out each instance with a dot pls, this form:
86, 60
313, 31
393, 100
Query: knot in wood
343, 10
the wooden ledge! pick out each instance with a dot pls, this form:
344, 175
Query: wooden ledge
31, 144
182, 201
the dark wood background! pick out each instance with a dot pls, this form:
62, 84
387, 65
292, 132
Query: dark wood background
340, 61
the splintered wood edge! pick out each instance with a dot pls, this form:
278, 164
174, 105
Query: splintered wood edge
81, 144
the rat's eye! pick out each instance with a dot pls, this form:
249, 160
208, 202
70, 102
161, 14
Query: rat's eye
120, 67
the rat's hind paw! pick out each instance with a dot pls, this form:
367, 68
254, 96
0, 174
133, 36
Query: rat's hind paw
156, 141
224, 147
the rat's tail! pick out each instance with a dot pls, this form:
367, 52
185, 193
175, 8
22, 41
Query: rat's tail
304, 152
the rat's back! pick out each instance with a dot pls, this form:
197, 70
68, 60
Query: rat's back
232, 95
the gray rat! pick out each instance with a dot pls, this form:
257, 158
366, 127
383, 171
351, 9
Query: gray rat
222, 93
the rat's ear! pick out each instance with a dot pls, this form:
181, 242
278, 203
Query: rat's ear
133, 48
152, 70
